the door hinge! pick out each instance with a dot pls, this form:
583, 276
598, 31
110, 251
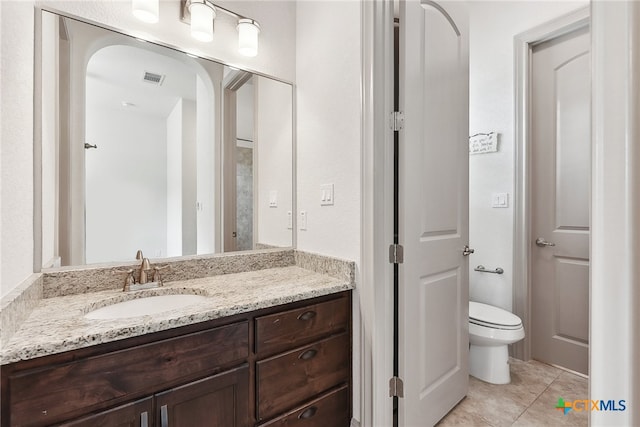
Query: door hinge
396, 254
396, 387
397, 121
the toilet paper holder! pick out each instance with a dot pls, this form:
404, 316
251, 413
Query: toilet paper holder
482, 269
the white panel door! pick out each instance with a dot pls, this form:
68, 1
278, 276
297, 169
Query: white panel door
433, 174
561, 161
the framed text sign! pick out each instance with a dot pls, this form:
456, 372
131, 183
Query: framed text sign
481, 143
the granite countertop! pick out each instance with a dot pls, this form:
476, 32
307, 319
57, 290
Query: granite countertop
58, 324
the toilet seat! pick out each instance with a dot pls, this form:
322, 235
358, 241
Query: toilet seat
492, 317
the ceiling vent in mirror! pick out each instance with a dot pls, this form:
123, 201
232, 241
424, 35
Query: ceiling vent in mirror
153, 78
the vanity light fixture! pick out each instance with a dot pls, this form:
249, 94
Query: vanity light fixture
248, 31
201, 15
146, 10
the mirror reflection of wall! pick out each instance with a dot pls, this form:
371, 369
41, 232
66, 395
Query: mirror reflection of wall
147, 164
154, 181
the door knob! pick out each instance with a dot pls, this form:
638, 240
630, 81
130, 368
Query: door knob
466, 251
543, 243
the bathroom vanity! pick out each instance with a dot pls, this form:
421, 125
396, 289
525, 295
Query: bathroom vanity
275, 351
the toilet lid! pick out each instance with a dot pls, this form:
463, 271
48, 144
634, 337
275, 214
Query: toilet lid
487, 314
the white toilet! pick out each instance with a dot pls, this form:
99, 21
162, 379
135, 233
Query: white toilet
491, 329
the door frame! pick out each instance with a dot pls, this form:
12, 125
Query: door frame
373, 300
523, 45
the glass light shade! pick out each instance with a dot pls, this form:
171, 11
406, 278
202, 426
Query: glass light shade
248, 31
202, 16
146, 10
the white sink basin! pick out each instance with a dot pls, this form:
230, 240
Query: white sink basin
144, 306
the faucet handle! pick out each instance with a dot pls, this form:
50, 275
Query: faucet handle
129, 280
156, 274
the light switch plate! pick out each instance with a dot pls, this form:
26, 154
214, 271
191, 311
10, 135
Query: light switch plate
303, 220
500, 200
273, 199
326, 195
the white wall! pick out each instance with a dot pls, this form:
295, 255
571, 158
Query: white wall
205, 141
125, 183
274, 133
244, 114
50, 137
181, 164
276, 57
493, 25
189, 178
328, 139
16, 150
174, 181
328, 125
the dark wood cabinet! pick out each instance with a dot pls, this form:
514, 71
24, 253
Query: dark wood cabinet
301, 354
135, 414
285, 380
328, 410
288, 365
217, 401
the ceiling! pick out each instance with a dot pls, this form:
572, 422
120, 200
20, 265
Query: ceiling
115, 80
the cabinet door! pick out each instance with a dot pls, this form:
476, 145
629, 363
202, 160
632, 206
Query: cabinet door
218, 401
135, 414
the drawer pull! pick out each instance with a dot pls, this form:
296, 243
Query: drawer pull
308, 413
144, 419
309, 354
307, 315
164, 416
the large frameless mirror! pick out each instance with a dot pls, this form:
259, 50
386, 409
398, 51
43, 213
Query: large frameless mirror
158, 150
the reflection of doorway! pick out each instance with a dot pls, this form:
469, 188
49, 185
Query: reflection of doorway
551, 277
238, 162
244, 194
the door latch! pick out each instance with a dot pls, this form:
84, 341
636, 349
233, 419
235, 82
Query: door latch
543, 243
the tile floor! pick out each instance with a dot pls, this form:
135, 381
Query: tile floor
529, 400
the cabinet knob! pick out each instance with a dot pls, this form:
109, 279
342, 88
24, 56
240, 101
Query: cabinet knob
309, 354
307, 315
308, 413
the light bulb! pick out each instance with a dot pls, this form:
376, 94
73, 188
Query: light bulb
146, 10
202, 16
248, 31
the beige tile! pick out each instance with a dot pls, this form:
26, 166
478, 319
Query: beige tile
529, 400
498, 405
502, 404
460, 416
542, 412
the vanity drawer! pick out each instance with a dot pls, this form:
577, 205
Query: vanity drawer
291, 328
286, 380
49, 395
329, 410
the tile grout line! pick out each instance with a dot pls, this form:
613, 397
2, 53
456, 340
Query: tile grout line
535, 400
539, 394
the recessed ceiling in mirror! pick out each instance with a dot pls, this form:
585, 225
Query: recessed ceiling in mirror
191, 156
